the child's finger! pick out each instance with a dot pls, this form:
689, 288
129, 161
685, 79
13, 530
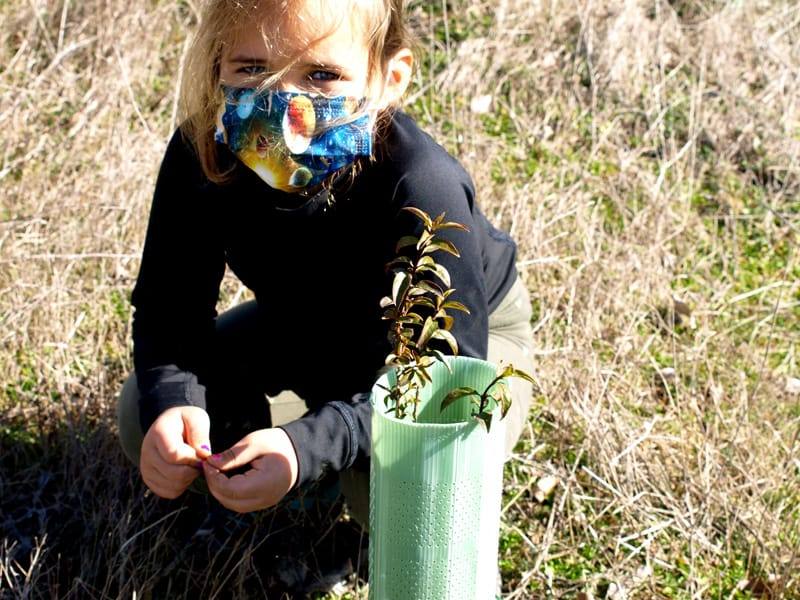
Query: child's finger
196, 424
219, 486
180, 473
238, 455
162, 486
169, 484
174, 451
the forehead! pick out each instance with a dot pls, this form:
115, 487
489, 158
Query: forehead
320, 29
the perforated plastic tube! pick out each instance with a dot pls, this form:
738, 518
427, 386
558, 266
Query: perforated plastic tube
435, 493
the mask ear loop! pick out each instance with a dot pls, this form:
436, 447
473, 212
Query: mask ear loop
367, 106
381, 107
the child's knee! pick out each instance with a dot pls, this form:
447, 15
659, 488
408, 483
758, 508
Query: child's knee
355, 488
130, 431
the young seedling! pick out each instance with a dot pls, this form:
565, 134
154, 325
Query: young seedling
418, 309
480, 401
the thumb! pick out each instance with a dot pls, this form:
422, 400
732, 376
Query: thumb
241, 453
196, 426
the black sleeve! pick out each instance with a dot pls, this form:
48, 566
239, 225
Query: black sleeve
337, 435
177, 288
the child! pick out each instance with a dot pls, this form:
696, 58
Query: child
292, 168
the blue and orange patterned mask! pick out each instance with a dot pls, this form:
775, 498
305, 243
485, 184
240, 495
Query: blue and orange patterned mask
293, 140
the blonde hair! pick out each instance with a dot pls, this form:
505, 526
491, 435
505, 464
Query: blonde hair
222, 21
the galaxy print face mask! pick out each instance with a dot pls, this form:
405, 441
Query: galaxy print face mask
293, 140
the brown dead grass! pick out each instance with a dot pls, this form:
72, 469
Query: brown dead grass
644, 153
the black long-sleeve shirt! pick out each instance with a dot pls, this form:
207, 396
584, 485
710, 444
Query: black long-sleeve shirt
316, 267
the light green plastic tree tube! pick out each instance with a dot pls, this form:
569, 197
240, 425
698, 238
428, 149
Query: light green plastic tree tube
435, 493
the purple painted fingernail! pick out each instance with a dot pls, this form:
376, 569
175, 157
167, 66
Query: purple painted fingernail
217, 457
206, 447
198, 466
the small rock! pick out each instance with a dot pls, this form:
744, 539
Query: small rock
545, 487
667, 373
669, 261
616, 592
480, 105
550, 60
792, 385
642, 573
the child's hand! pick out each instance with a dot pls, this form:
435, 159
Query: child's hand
173, 448
273, 471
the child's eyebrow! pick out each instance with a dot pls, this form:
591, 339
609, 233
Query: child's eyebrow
317, 64
247, 59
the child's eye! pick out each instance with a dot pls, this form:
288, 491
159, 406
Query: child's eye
251, 70
321, 75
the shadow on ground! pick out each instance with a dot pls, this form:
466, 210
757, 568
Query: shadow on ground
76, 521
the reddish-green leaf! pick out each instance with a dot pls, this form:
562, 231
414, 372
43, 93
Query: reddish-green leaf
504, 401
443, 274
420, 214
428, 329
440, 356
510, 371
442, 334
422, 301
405, 242
424, 240
444, 245
456, 394
422, 375
426, 360
400, 286
447, 321
439, 271
453, 225
486, 419
401, 262
411, 318
455, 305
525, 376
431, 287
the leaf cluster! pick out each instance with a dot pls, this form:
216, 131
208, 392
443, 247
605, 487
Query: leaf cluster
480, 401
418, 310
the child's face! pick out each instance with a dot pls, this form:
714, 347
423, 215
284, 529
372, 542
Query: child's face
326, 38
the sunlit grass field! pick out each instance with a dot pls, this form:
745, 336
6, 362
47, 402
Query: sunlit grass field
645, 154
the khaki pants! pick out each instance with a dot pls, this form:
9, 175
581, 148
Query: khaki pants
510, 341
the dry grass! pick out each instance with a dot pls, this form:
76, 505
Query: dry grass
644, 153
